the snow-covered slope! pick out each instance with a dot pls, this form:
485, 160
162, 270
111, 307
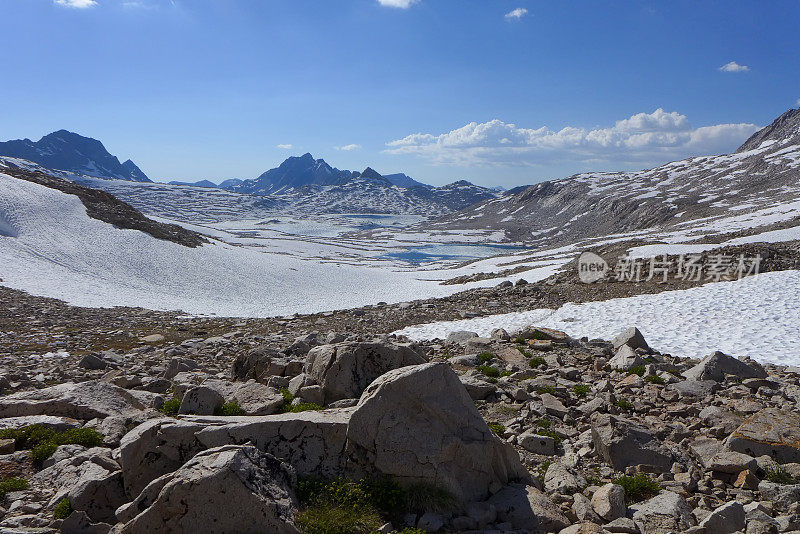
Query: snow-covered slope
758, 316
50, 247
762, 174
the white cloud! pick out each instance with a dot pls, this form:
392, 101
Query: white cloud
642, 139
798, 102
77, 4
516, 13
285, 146
734, 67
349, 147
400, 4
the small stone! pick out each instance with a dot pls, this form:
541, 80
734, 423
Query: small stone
726, 519
537, 444
6, 446
609, 501
430, 522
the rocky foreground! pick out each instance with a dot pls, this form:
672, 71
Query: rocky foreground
225, 426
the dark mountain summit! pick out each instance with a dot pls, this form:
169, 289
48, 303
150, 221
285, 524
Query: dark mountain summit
293, 173
371, 174
74, 153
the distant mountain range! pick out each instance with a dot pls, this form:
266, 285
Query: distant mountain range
73, 153
757, 184
299, 184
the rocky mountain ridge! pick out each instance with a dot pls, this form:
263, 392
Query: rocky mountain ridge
68, 151
739, 188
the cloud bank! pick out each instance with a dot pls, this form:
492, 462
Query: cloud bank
400, 4
77, 4
348, 148
643, 138
516, 13
734, 67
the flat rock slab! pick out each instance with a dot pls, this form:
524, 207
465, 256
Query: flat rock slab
85, 400
311, 442
694, 388
771, 432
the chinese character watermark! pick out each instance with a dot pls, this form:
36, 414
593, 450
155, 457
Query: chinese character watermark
685, 267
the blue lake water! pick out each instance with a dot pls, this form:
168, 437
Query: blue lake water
449, 252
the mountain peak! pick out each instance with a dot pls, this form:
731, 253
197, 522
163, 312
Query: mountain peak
71, 152
292, 173
784, 127
370, 173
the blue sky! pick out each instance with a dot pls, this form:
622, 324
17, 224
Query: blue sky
497, 92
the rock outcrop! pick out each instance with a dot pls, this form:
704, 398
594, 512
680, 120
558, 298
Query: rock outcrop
226, 489
418, 424
344, 370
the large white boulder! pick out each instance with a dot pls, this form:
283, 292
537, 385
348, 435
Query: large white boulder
344, 370
418, 424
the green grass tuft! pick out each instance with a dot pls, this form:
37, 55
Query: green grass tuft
342, 506
779, 475
536, 361
7, 485
304, 407
497, 428
171, 406
654, 379
636, 370
63, 509
524, 352
488, 370
543, 423
581, 390
638, 487
549, 433
43, 441
624, 404
230, 409
547, 389
485, 357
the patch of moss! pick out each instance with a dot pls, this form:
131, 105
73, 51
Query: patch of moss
654, 379
536, 361
547, 389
